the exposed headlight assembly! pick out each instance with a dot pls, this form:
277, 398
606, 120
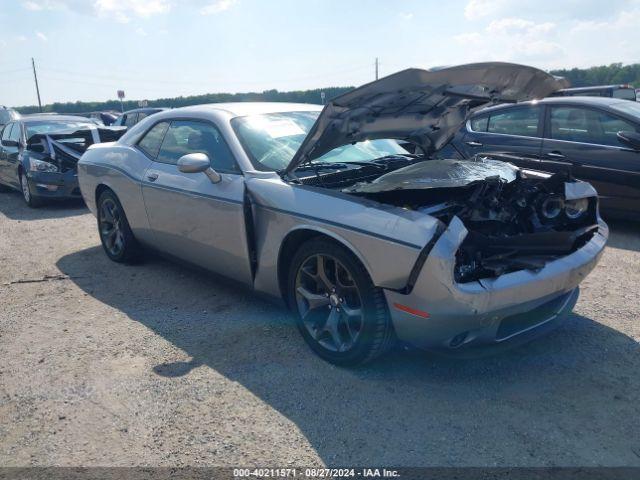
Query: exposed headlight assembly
574, 209
40, 166
552, 207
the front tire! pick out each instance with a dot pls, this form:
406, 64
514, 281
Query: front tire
25, 187
341, 314
115, 233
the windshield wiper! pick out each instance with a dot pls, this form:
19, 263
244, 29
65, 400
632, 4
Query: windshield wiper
330, 165
394, 156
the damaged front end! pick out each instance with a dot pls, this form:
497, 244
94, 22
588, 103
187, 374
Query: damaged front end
64, 149
516, 220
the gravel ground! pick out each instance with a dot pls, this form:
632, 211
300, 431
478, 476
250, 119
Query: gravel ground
157, 364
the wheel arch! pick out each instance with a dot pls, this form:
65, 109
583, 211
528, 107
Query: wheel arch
101, 187
299, 235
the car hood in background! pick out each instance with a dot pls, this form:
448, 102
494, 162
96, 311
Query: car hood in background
438, 174
419, 106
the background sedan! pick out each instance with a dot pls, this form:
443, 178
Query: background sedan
576, 134
38, 154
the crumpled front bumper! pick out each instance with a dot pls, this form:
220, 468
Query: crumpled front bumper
489, 311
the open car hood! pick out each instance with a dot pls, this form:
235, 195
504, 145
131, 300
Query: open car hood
419, 106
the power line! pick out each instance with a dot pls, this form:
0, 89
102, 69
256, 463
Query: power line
128, 79
15, 70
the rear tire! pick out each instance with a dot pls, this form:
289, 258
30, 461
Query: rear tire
340, 313
25, 187
116, 236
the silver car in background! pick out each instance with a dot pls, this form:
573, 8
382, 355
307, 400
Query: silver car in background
328, 212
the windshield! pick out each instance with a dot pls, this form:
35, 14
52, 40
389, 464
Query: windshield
271, 140
55, 126
632, 108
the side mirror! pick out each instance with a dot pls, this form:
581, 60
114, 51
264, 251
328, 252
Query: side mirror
198, 163
630, 139
10, 143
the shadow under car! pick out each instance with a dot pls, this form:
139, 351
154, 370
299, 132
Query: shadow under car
556, 400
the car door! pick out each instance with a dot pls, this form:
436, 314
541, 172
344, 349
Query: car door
11, 155
514, 130
6, 131
583, 140
191, 217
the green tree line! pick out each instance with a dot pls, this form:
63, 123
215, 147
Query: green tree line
615, 73
297, 96
578, 77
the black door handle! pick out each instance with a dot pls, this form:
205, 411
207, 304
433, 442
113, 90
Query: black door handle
473, 143
152, 177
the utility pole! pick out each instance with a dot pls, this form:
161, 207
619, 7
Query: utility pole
376, 68
35, 77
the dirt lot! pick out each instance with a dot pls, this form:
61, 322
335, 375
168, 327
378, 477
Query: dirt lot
103, 364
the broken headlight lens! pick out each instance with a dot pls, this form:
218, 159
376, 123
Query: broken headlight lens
576, 208
40, 166
551, 207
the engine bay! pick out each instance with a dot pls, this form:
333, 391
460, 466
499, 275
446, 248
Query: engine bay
515, 219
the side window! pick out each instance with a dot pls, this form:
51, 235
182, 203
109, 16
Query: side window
7, 131
609, 126
129, 120
515, 121
626, 93
191, 136
587, 126
150, 143
15, 132
479, 124
142, 115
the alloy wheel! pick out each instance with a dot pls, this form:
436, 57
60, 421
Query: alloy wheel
24, 183
111, 233
329, 302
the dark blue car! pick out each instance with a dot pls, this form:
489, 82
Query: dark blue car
39, 153
595, 139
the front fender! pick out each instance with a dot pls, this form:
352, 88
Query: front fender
387, 241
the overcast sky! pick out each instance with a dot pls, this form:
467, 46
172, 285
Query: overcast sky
88, 49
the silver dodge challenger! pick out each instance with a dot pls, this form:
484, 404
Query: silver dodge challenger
348, 215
